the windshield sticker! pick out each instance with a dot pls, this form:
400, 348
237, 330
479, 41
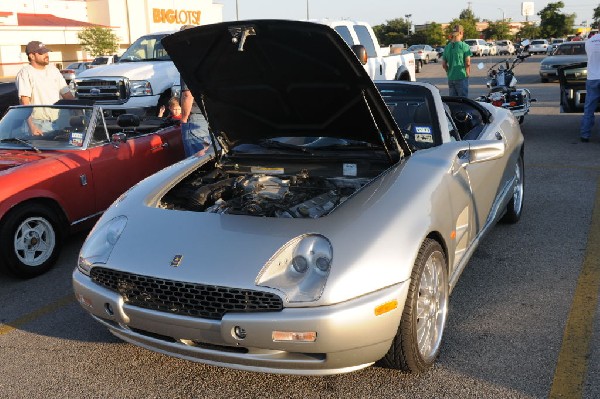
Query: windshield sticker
350, 169
424, 137
76, 139
267, 171
422, 129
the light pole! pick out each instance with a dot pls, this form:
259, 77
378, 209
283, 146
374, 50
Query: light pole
502, 14
237, 15
407, 16
307, 18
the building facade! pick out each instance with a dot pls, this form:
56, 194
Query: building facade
57, 22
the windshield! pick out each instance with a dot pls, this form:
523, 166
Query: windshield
48, 127
100, 61
415, 47
471, 42
146, 48
570, 49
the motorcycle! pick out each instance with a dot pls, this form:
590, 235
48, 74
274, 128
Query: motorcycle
503, 85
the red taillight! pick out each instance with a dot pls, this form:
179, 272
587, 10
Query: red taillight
420, 52
512, 103
67, 71
497, 103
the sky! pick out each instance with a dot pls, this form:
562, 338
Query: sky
378, 12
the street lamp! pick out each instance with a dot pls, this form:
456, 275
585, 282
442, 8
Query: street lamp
502, 14
407, 16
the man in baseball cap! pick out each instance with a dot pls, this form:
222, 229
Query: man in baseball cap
456, 61
39, 83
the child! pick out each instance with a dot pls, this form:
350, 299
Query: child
174, 109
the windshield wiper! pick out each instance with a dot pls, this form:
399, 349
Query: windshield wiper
18, 140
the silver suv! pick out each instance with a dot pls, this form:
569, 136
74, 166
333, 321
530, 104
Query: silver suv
505, 47
478, 47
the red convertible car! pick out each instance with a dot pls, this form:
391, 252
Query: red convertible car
61, 166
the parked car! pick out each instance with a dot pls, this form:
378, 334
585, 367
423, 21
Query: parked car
478, 47
554, 44
73, 70
61, 178
538, 46
505, 47
319, 238
565, 54
493, 49
8, 96
572, 78
102, 60
423, 52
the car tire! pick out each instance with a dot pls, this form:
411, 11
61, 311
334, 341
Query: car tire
544, 80
30, 240
514, 209
418, 340
418, 66
426, 60
521, 119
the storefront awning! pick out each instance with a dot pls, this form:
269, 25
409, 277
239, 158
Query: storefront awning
48, 20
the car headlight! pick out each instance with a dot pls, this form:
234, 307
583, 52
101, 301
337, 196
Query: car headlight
99, 244
140, 88
299, 269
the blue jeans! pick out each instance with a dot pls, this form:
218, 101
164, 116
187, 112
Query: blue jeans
195, 134
592, 95
459, 88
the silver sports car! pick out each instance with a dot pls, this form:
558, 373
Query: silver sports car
325, 228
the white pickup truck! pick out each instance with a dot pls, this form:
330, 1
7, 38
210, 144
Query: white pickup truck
145, 77
379, 64
142, 78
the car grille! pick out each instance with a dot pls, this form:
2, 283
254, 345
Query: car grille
184, 298
113, 90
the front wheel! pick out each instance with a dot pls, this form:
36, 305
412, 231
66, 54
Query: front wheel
521, 119
418, 340
30, 240
515, 206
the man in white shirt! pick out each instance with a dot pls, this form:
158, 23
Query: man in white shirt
38, 83
592, 87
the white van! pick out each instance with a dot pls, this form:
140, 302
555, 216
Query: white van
478, 47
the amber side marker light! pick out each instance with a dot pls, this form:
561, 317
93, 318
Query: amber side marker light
294, 336
386, 307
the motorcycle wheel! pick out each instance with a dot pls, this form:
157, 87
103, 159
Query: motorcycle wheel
521, 119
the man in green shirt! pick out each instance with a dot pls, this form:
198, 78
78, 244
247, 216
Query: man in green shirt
457, 63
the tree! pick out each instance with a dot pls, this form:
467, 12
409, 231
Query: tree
554, 23
496, 30
596, 17
98, 40
468, 26
435, 34
393, 31
528, 31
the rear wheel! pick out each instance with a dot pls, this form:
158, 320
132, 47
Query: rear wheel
30, 240
515, 206
418, 340
418, 66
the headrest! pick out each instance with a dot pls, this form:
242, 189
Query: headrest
77, 122
422, 114
128, 120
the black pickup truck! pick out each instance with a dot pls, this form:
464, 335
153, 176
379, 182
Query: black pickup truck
572, 79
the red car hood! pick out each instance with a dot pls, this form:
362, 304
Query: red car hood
12, 158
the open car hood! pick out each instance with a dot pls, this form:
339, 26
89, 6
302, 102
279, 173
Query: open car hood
269, 78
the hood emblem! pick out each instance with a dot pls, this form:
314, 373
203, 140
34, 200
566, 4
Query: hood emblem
176, 260
240, 33
95, 92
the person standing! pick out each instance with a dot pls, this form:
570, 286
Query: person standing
38, 83
592, 87
194, 127
456, 61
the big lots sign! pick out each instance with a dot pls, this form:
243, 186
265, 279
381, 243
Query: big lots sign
176, 17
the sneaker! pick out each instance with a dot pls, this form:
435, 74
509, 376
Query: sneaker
584, 139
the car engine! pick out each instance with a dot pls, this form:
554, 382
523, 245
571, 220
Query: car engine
288, 196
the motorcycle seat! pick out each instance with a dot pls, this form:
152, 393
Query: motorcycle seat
502, 89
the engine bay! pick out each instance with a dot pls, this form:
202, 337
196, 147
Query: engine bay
298, 195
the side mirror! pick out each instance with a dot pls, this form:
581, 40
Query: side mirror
361, 53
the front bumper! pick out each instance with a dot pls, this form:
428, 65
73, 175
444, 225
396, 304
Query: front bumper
349, 335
